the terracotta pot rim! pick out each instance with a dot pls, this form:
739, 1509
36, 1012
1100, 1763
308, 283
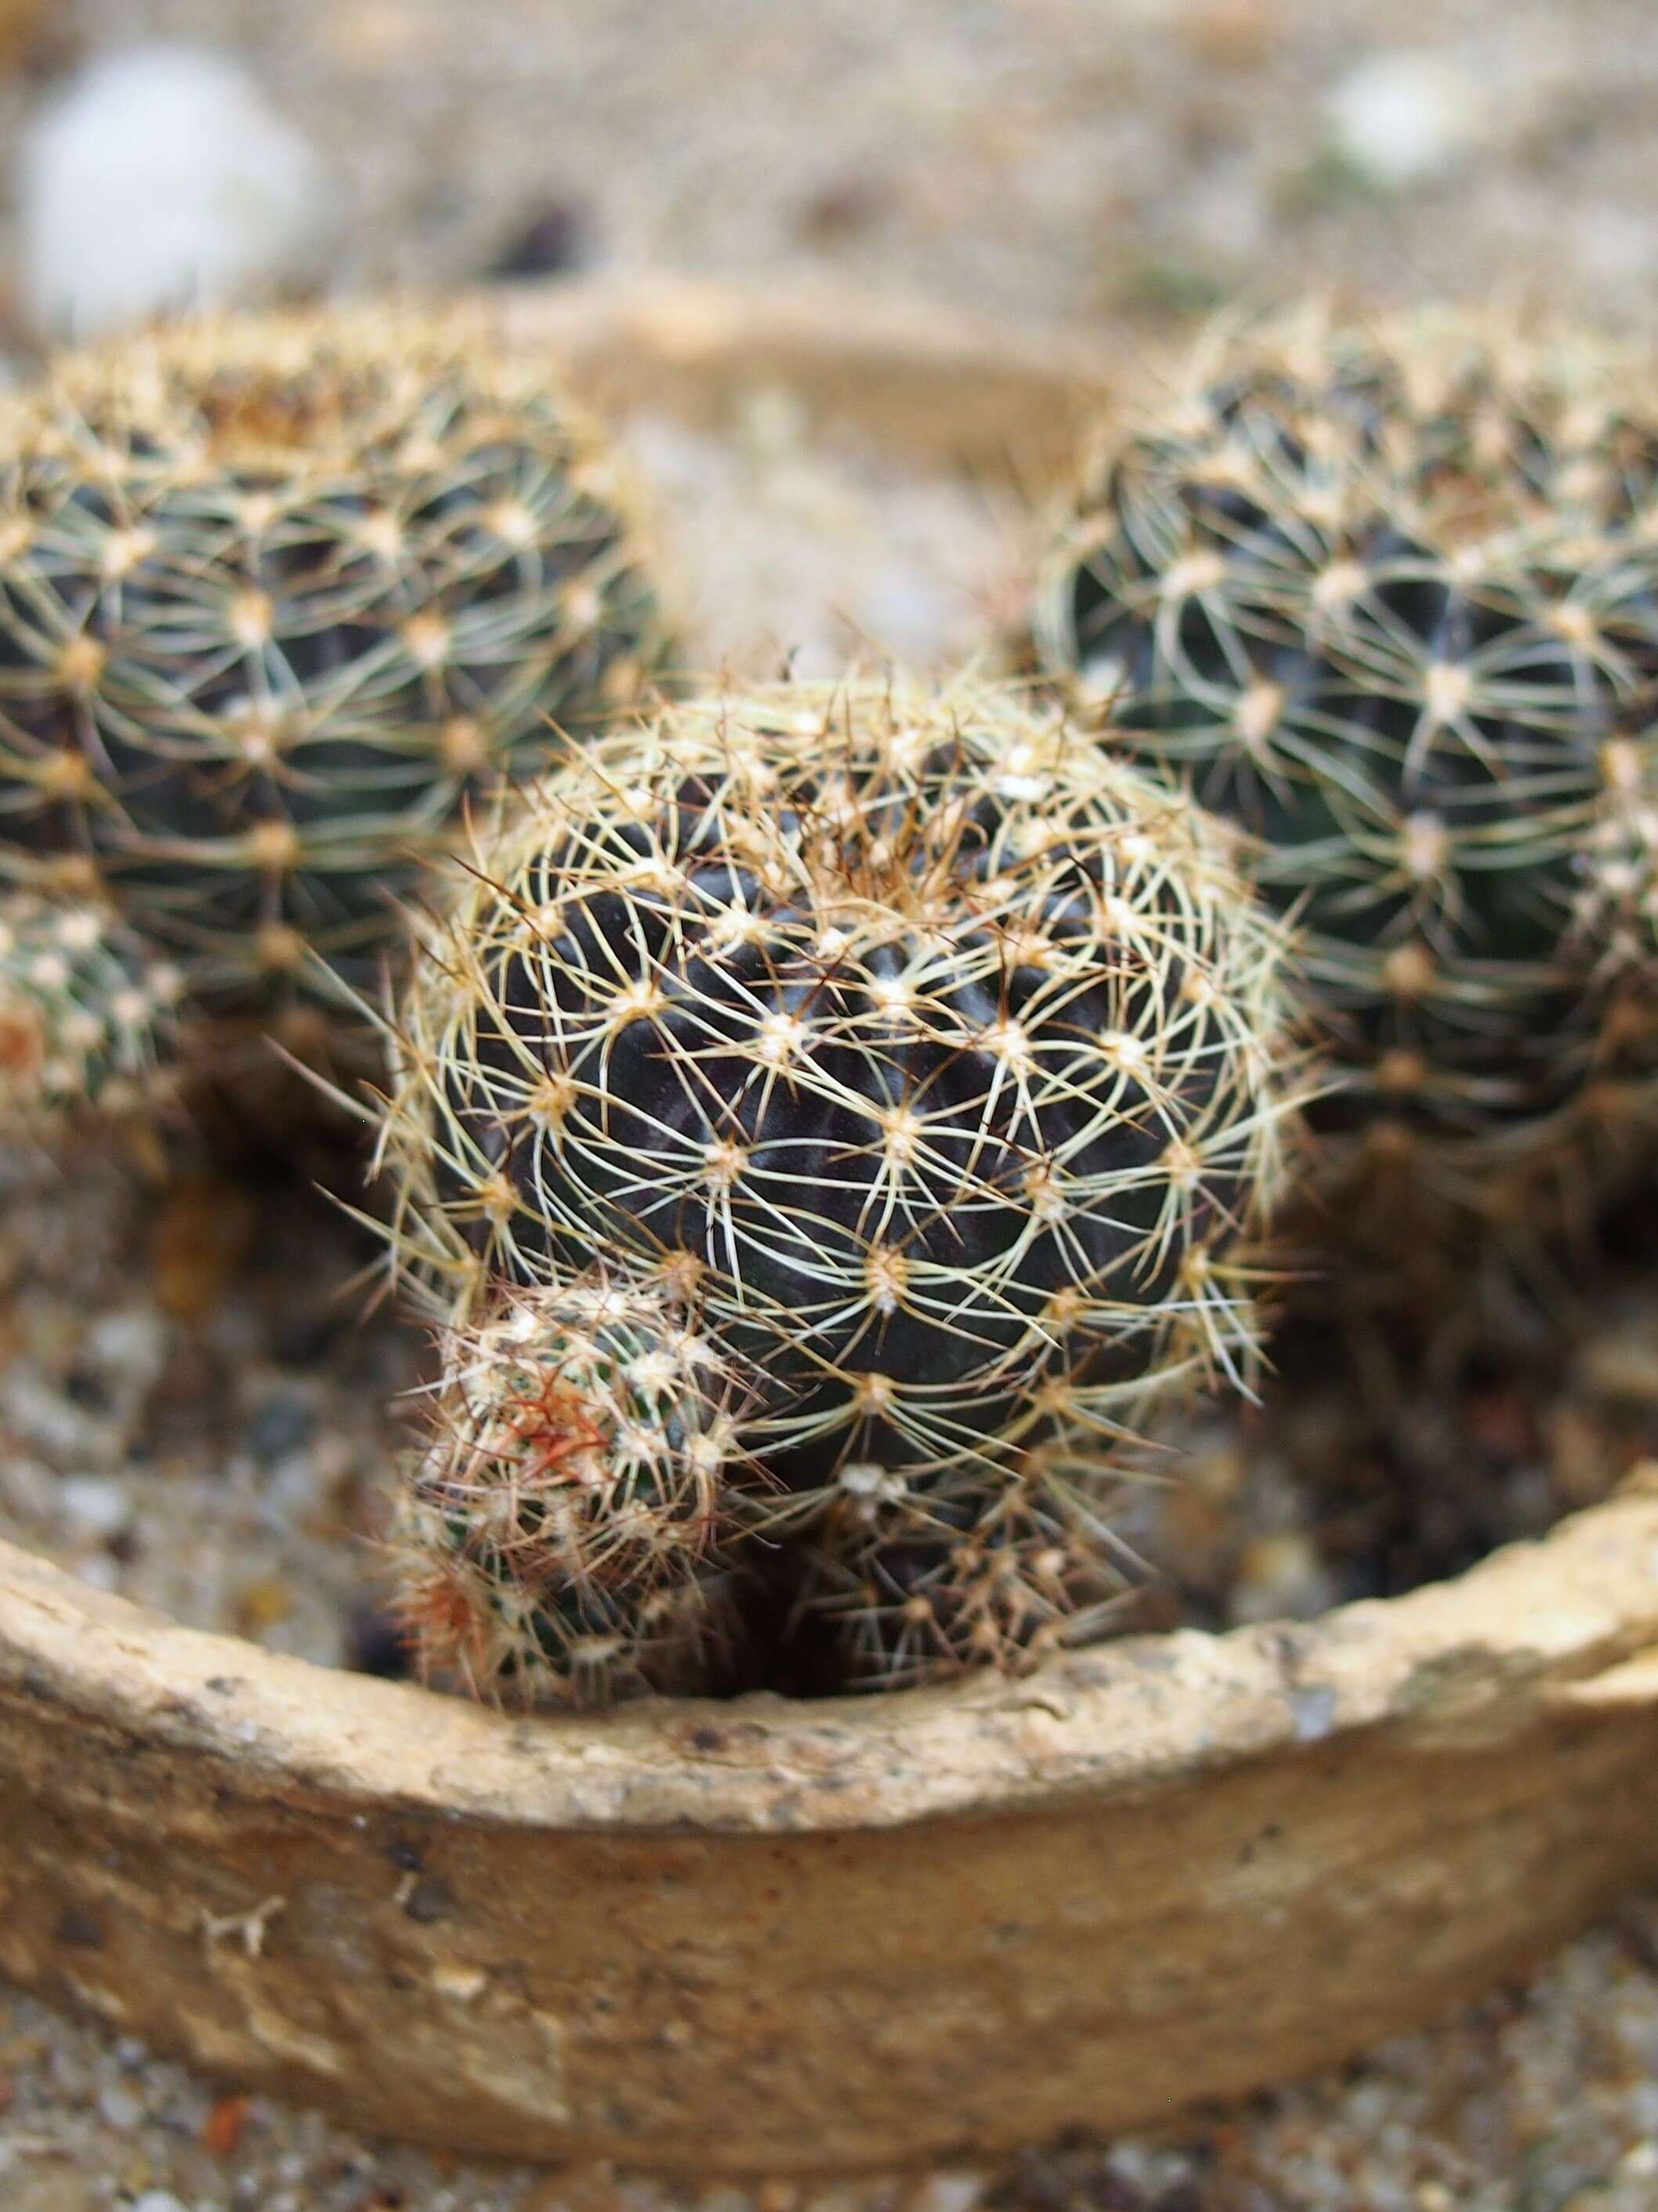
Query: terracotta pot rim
1549, 1617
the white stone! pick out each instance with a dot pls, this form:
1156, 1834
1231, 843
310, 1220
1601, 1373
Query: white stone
120, 2107
161, 181
94, 1504
1403, 116
129, 1344
951, 2190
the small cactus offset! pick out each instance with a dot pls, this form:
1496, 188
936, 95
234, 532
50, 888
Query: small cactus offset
278, 595
84, 1009
934, 1061
562, 1534
1385, 599
908, 1588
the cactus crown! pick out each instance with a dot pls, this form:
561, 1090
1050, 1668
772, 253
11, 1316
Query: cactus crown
276, 594
1385, 598
82, 1006
933, 1062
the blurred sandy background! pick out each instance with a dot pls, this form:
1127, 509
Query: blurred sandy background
1131, 166
1053, 157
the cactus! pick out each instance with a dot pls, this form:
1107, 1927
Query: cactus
278, 596
934, 1060
1385, 599
83, 1009
560, 1534
907, 1588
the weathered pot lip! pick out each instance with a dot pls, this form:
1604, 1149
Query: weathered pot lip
1538, 1620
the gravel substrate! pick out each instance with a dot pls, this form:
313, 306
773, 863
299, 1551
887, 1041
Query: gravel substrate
192, 1410
1539, 2100
1027, 156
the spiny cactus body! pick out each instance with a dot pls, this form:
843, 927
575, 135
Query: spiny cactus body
934, 1060
912, 1587
561, 1533
278, 594
1385, 598
83, 1006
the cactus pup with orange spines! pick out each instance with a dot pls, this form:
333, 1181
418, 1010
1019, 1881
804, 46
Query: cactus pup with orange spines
561, 1536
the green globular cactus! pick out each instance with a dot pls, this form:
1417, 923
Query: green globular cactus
936, 1062
280, 595
1385, 598
85, 1012
562, 1534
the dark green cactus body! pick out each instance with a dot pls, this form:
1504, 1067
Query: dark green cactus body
86, 1011
1405, 634
278, 596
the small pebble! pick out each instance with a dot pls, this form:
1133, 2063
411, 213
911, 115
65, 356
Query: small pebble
947, 2191
28, 1488
121, 2107
263, 1603
283, 1423
1404, 117
1623, 1365
223, 2128
53, 1424
1280, 1576
129, 1344
552, 240
292, 1488
95, 1504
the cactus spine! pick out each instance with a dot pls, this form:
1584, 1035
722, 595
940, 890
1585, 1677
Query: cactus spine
560, 1536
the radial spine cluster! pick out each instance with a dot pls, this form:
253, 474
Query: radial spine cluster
1385, 598
278, 596
930, 1062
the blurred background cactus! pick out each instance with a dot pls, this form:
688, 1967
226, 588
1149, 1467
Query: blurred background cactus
935, 1064
85, 1011
1383, 596
279, 595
